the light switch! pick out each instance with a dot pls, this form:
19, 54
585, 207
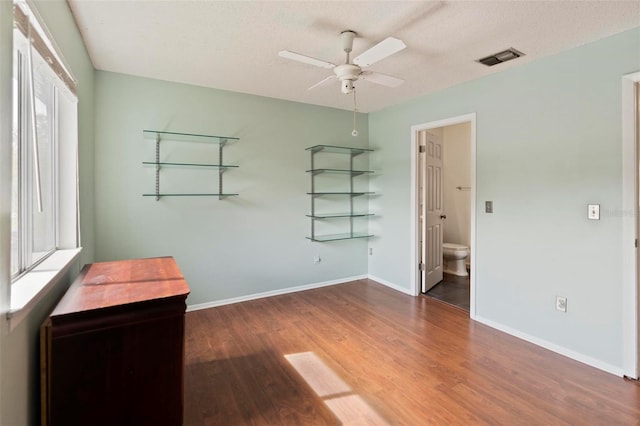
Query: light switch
488, 206
593, 212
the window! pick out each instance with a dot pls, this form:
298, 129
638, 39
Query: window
44, 148
33, 168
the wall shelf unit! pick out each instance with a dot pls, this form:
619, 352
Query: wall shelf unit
159, 136
351, 214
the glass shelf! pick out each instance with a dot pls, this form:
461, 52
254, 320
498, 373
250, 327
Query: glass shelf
336, 237
338, 149
355, 194
189, 195
159, 136
215, 166
332, 215
338, 183
187, 137
344, 171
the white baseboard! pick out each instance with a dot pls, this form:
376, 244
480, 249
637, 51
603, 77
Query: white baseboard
596, 363
254, 296
391, 285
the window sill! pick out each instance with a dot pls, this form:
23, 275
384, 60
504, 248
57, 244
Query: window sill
29, 289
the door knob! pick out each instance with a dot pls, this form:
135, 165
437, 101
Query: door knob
443, 216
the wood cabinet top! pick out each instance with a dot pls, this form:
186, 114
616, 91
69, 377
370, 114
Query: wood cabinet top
108, 284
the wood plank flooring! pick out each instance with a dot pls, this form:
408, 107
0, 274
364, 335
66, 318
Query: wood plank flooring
360, 353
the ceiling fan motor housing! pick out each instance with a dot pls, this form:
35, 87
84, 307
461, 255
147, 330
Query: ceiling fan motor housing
347, 74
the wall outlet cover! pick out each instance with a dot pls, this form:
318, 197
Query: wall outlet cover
488, 206
561, 303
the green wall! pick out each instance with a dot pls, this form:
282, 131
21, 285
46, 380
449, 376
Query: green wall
238, 246
548, 143
19, 348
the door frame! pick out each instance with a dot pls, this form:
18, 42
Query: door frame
414, 273
630, 215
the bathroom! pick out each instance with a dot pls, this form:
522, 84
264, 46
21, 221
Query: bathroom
456, 212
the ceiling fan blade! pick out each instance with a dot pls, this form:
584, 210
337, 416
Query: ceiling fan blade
386, 47
305, 59
382, 79
323, 82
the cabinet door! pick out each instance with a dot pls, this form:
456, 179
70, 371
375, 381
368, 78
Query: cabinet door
125, 374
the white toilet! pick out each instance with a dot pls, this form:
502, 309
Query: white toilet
453, 256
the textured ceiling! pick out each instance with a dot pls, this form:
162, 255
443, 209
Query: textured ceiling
233, 45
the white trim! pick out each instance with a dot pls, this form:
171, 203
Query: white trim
593, 362
630, 318
215, 303
467, 118
29, 289
41, 27
391, 285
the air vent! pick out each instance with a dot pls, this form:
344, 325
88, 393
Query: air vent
500, 57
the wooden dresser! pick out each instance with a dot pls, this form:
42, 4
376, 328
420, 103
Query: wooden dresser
112, 351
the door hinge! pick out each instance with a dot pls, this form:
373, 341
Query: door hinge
422, 148
421, 266
636, 243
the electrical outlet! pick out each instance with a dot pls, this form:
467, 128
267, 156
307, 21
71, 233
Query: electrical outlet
370, 251
561, 303
317, 259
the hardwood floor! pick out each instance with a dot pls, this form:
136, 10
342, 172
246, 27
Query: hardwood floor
360, 353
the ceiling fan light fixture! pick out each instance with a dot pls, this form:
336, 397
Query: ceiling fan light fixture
346, 86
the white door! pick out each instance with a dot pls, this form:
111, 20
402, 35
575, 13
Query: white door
431, 215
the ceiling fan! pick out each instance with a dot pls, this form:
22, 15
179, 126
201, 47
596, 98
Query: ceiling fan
349, 72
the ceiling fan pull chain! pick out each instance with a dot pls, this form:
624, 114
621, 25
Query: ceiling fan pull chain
355, 109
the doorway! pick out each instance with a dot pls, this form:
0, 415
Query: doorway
427, 235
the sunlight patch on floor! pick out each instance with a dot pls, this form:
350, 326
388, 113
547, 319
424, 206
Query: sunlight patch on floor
323, 380
348, 407
353, 410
